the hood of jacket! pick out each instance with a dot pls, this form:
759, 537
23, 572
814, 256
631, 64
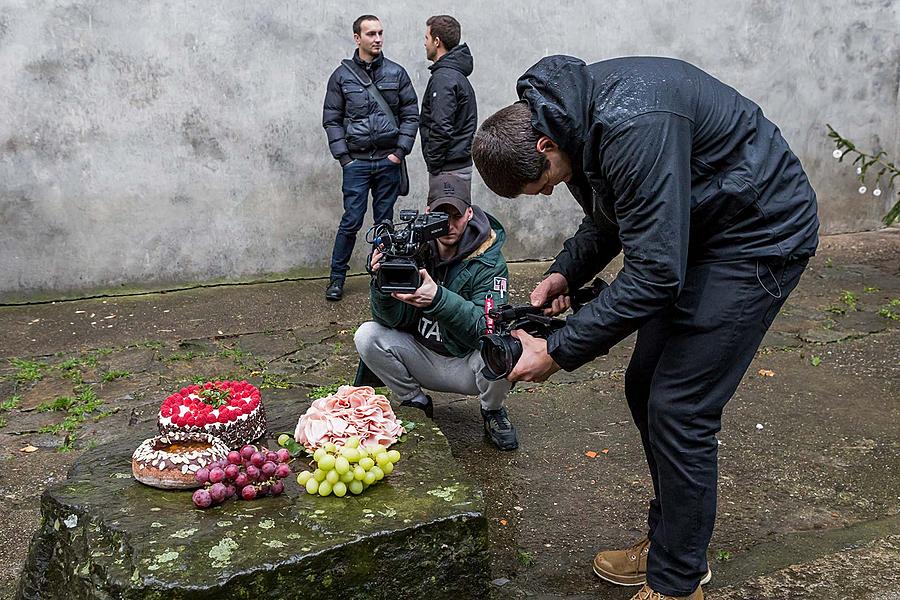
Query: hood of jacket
459, 58
560, 90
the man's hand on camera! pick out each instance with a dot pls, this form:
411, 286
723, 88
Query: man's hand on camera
534, 364
422, 297
376, 259
553, 287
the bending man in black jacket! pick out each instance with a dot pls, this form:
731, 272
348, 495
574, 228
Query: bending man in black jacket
366, 141
716, 220
449, 113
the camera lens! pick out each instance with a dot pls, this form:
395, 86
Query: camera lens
398, 275
500, 354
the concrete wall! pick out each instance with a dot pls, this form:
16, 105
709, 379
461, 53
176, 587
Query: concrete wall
145, 144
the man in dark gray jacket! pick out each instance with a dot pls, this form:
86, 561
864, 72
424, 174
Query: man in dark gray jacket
369, 144
449, 115
716, 220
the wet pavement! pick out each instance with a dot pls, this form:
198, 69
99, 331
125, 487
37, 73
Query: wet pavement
809, 462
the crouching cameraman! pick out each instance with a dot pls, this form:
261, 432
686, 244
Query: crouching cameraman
429, 338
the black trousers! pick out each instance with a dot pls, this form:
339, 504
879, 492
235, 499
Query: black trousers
686, 365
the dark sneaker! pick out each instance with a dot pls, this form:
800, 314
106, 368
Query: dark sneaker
335, 290
426, 407
499, 428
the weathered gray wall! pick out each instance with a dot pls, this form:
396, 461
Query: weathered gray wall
152, 143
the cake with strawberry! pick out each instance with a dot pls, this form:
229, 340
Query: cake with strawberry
228, 410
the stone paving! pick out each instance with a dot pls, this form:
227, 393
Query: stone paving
809, 455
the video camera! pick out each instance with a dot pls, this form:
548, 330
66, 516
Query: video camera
500, 351
405, 248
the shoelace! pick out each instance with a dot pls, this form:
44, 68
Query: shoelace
499, 419
647, 594
639, 549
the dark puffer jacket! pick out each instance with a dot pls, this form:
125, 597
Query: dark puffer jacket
356, 126
449, 113
673, 168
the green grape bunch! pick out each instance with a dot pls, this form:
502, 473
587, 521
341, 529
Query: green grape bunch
350, 468
885, 171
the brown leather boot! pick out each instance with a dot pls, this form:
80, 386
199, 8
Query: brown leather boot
646, 593
628, 567
624, 567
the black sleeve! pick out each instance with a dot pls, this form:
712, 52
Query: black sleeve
443, 117
647, 163
586, 253
408, 116
333, 117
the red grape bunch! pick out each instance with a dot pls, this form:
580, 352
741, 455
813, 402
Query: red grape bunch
249, 473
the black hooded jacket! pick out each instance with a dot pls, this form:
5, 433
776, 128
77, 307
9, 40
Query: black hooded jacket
672, 167
449, 113
356, 126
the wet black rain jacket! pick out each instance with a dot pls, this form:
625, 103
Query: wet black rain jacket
672, 167
449, 113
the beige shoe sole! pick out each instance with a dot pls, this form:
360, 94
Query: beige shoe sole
634, 580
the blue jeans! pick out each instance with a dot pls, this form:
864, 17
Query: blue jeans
361, 175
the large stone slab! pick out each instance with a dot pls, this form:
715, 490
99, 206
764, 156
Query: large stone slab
420, 532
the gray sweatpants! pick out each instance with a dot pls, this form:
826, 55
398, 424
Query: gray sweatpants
406, 366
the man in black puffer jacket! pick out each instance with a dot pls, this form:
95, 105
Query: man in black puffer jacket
369, 144
449, 112
716, 220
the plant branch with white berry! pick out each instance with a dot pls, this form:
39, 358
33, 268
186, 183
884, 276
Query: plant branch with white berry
866, 163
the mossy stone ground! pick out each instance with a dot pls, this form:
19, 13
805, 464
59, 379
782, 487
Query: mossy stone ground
419, 532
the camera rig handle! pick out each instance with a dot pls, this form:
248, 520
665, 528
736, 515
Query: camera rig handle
508, 312
522, 313
585, 295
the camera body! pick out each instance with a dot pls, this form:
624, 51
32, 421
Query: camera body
405, 248
500, 351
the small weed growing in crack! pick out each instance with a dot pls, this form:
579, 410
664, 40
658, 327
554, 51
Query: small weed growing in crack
10, 403
850, 299
28, 370
69, 364
888, 313
78, 409
525, 559
323, 390
189, 355
113, 375
871, 289
724, 555
234, 353
815, 360
273, 381
57, 404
